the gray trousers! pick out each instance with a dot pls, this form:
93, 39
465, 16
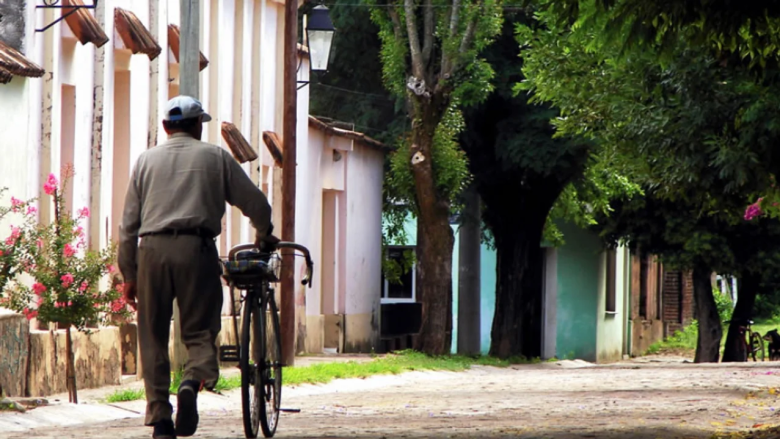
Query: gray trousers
186, 268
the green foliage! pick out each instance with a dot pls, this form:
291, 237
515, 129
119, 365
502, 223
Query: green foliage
680, 340
394, 270
724, 305
742, 32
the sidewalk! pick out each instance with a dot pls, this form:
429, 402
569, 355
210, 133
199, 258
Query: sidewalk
92, 408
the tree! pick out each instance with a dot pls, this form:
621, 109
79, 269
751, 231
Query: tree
742, 32
65, 276
519, 171
696, 133
431, 57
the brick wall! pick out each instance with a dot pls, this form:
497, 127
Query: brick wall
672, 297
688, 307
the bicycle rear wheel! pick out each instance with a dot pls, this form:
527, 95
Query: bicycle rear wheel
756, 347
250, 358
271, 369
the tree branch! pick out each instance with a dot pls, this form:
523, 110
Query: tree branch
418, 68
468, 36
397, 29
428, 31
446, 56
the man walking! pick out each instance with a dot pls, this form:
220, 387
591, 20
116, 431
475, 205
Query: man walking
175, 202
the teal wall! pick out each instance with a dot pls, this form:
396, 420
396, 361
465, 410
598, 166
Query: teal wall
578, 294
487, 294
487, 281
583, 329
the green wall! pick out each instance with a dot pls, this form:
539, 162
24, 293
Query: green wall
578, 294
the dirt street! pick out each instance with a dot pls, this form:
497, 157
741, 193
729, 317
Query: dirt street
565, 400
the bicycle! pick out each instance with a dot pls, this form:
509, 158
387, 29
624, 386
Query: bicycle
259, 351
752, 342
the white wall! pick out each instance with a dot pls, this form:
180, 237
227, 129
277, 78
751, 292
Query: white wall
364, 178
14, 144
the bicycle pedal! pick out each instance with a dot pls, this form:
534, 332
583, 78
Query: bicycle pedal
290, 410
229, 353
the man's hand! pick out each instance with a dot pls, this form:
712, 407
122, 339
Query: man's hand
130, 291
267, 244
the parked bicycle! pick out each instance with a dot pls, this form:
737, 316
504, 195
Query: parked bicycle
259, 352
752, 342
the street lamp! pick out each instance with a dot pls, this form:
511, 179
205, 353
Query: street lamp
319, 39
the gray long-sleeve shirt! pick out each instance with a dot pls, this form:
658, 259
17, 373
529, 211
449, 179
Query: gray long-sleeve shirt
184, 184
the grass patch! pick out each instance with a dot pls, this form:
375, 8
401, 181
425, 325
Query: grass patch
404, 361
684, 340
123, 395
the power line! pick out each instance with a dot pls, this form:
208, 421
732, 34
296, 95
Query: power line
387, 98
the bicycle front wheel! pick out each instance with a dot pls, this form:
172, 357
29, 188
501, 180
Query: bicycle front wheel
756, 347
250, 360
271, 369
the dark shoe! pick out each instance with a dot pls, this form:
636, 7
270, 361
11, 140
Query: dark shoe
164, 430
187, 409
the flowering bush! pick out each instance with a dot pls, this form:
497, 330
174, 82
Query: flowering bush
11, 247
65, 277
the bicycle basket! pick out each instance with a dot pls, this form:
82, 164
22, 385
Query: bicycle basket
247, 272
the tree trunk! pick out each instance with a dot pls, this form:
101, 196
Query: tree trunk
435, 242
735, 350
516, 324
70, 369
710, 331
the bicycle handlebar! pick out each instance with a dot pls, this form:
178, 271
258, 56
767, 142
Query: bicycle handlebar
307, 280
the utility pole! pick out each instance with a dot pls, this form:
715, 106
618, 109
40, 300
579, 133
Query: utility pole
189, 85
288, 178
189, 49
469, 263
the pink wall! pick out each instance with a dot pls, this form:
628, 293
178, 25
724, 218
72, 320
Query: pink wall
339, 217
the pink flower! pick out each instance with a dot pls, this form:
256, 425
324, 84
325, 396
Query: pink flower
51, 185
1, 253
16, 232
79, 231
30, 314
16, 204
83, 287
68, 251
40, 301
39, 288
110, 268
84, 212
753, 211
67, 280
39, 243
118, 305
31, 210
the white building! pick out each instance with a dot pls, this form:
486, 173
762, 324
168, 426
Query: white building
89, 91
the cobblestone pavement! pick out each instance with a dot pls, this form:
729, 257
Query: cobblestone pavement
650, 400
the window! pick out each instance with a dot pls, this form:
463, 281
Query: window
404, 290
611, 281
643, 269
